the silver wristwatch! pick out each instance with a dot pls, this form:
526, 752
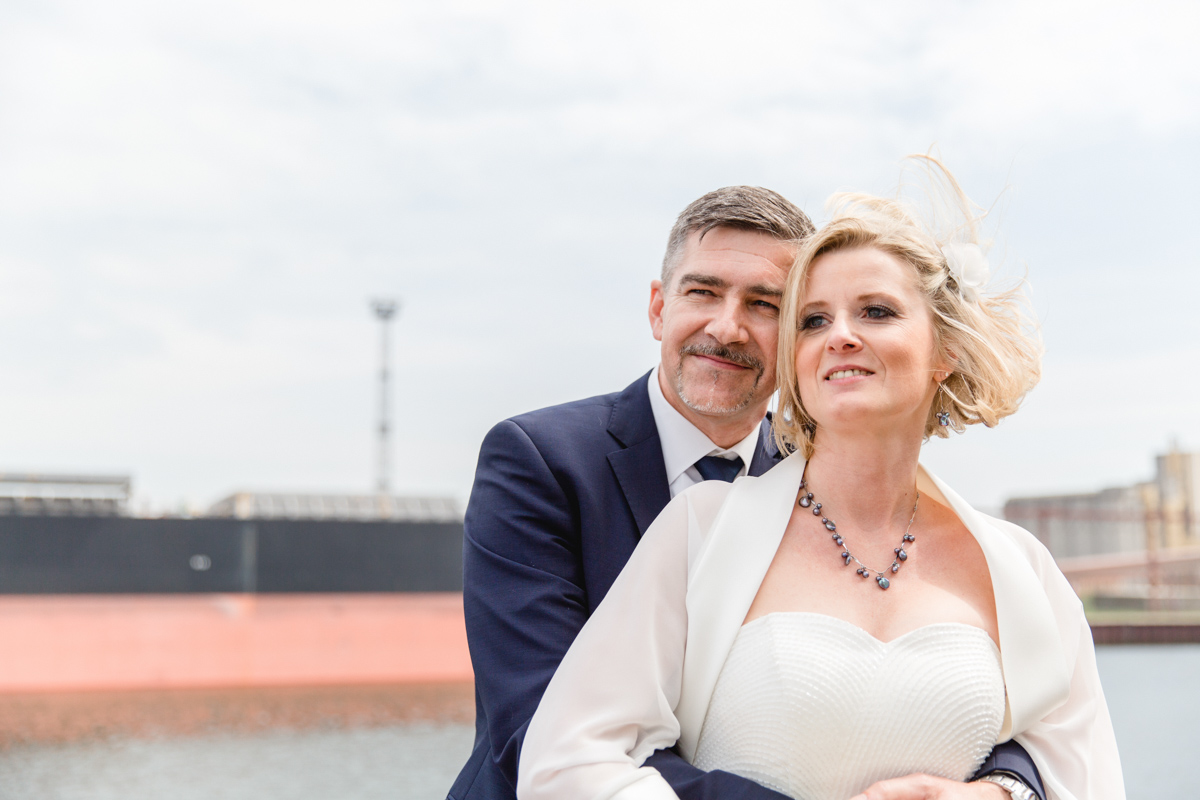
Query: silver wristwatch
1011, 784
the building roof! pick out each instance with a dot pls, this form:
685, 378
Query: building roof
42, 494
368, 507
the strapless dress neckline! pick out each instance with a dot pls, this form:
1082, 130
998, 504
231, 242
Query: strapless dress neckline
817, 708
851, 626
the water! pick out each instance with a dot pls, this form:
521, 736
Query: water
413, 762
1153, 694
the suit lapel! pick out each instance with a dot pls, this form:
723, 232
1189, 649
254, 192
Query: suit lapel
766, 454
638, 465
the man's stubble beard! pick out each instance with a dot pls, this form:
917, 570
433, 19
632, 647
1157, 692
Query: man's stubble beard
727, 354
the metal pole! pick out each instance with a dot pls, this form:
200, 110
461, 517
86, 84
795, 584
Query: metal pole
384, 310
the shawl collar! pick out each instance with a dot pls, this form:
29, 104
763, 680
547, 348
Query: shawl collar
734, 557
638, 465
729, 568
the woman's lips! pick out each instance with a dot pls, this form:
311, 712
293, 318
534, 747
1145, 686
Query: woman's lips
839, 374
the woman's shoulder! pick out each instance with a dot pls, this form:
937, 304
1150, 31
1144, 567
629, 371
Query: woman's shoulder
1055, 584
1026, 543
1019, 544
1030, 546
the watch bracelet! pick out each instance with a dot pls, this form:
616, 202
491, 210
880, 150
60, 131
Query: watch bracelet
1016, 788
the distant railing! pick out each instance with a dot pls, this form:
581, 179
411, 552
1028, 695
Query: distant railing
1152, 579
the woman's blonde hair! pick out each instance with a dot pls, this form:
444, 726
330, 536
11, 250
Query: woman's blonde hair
989, 342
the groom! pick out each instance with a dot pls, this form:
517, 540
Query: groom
563, 494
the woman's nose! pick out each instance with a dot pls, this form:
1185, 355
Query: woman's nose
842, 336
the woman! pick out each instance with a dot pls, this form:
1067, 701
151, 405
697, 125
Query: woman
846, 618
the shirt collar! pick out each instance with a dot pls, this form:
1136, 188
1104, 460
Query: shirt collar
683, 444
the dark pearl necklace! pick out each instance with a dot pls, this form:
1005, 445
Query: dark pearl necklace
807, 500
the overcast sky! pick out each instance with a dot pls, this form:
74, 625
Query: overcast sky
197, 201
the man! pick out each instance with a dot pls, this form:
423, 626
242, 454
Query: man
563, 494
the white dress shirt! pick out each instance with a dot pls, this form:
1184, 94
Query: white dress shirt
683, 444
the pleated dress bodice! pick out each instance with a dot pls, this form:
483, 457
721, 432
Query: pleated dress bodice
818, 709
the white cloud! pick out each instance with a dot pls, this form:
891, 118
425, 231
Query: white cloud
196, 200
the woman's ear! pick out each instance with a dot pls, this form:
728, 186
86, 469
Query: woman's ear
945, 364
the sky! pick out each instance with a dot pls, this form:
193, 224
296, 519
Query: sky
199, 200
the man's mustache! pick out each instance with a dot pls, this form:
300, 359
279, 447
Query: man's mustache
722, 352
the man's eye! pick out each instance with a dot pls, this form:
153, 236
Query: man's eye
766, 305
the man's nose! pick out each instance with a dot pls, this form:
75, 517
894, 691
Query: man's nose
727, 325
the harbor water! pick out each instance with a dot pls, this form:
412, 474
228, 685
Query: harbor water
1153, 693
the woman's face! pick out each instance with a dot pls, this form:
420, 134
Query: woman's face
865, 353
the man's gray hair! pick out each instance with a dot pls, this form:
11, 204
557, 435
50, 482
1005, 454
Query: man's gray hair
745, 207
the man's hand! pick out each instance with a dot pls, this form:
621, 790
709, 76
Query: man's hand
927, 787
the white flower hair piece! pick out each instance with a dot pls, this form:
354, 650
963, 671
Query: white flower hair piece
969, 267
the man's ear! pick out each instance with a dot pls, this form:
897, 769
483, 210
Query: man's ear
656, 308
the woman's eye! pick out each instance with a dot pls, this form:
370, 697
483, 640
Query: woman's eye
879, 312
813, 322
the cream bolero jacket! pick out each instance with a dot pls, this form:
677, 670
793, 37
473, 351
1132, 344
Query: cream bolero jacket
639, 676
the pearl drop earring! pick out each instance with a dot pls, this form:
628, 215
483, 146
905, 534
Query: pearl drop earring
943, 416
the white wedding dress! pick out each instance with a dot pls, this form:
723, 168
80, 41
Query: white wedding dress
818, 709
809, 704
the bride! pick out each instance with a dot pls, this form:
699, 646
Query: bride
845, 625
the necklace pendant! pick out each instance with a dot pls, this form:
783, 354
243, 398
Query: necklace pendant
808, 500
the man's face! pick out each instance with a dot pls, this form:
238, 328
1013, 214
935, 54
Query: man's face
718, 323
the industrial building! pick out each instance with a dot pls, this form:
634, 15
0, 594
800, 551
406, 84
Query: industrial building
1133, 547
1157, 514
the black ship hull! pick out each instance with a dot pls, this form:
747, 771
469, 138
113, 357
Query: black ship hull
125, 555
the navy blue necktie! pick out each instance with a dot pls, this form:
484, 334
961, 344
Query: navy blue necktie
715, 468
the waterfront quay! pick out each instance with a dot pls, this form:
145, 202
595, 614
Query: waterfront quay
1142, 597
1145, 627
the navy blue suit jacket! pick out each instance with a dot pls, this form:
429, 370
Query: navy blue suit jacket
561, 497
